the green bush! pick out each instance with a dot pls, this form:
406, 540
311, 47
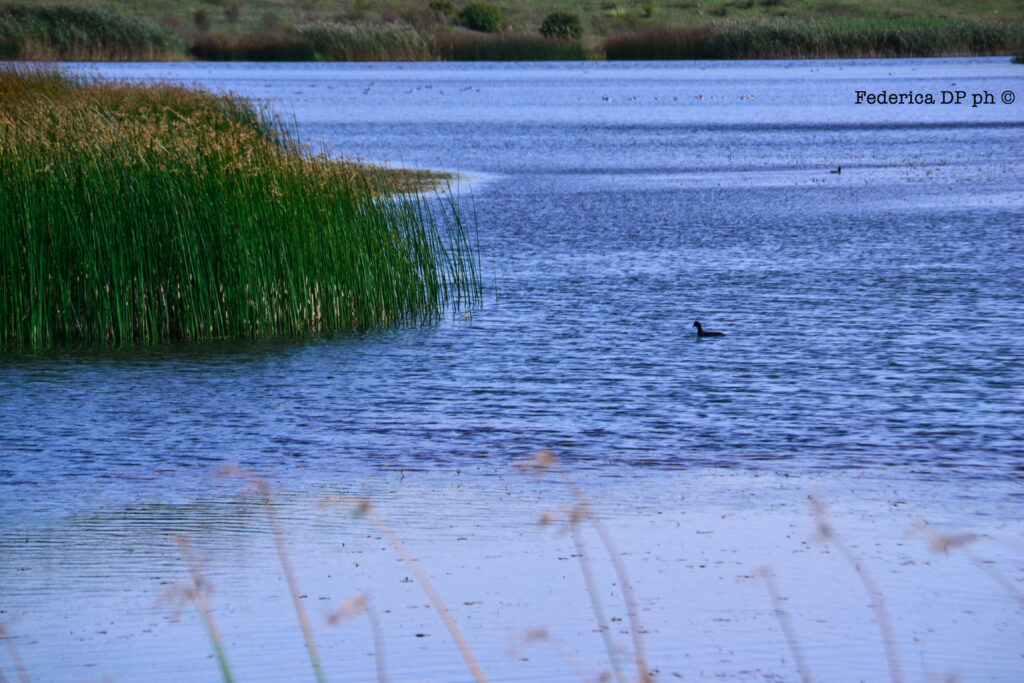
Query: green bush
481, 16
561, 25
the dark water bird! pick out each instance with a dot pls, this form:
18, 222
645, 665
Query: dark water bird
838, 170
701, 332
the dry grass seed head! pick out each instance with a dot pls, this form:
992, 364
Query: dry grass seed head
539, 463
352, 607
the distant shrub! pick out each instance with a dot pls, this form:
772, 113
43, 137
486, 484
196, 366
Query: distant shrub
271, 21
561, 25
201, 20
261, 47
339, 42
233, 12
481, 16
68, 32
443, 10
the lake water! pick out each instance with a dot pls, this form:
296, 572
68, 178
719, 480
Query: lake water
873, 355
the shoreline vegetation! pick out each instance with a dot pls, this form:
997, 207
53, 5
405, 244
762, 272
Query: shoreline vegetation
432, 30
139, 214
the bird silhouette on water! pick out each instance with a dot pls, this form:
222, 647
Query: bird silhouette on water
701, 332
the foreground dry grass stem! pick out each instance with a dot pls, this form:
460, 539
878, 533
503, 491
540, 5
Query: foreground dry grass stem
544, 461
353, 607
828, 534
12, 649
366, 509
766, 574
196, 593
261, 487
541, 635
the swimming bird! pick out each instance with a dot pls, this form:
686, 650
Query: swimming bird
701, 332
838, 170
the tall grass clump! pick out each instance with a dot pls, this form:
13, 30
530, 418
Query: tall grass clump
338, 42
137, 214
506, 47
258, 47
69, 32
823, 39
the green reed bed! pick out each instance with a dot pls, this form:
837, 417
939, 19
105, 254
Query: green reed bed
149, 213
506, 47
68, 32
822, 39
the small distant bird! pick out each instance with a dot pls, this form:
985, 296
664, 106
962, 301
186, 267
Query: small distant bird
838, 170
701, 332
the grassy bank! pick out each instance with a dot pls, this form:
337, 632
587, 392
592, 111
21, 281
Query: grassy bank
137, 214
417, 30
834, 38
83, 33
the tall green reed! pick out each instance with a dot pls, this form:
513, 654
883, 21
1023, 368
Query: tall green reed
144, 214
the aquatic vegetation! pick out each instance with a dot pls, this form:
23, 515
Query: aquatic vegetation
70, 32
138, 214
823, 39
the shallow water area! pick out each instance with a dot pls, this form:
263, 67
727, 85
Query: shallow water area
872, 357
